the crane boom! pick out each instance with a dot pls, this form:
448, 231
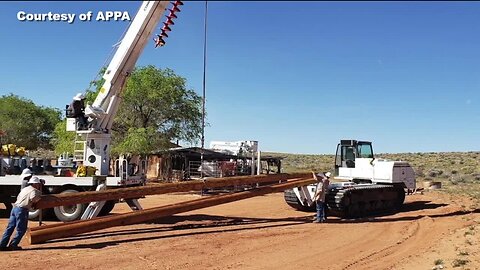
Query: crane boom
123, 62
95, 141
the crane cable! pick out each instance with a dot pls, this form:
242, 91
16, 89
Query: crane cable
110, 56
203, 84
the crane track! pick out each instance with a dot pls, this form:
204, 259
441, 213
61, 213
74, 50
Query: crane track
355, 201
292, 200
360, 201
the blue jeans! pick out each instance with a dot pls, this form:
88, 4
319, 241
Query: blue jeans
321, 211
18, 219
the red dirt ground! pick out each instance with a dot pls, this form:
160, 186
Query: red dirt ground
265, 233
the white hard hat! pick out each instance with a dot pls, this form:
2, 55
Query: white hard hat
35, 180
26, 172
79, 96
328, 174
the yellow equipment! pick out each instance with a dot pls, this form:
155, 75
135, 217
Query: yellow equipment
12, 150
83, 170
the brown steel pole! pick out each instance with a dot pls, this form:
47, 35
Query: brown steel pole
45, 233
49, 201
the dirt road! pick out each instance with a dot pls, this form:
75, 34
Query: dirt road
265, 233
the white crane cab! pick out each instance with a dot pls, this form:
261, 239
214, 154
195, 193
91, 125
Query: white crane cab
355, 161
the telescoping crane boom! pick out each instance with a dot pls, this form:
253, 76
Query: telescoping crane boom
101, 113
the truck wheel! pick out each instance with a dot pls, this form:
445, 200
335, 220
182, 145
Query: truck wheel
107, 208
34, 214
69, 212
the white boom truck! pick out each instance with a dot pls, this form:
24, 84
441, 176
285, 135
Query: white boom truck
240, 148
92, 146
367, 185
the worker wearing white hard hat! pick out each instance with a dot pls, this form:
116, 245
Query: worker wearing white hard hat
35, 180
25, 176
79, 96
77, 108
319, 197
26, 200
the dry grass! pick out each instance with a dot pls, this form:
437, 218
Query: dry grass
459, 172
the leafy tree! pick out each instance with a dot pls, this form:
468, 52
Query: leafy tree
156, 109
63, 140
25, 123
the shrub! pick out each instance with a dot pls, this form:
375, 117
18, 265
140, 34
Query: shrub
458, 180
468, 169
459, 262
419, 173
435, 173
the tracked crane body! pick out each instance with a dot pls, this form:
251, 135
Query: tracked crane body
364, 185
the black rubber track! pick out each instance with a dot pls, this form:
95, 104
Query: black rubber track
356, 201
361, 201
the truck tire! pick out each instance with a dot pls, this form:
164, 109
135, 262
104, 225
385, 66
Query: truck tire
69, 212
107, 208
34, 214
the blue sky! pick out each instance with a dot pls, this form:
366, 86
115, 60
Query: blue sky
296, 76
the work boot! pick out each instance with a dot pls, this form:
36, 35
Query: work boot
317, 221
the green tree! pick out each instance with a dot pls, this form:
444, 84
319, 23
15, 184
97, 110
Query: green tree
27, 124
63, 140
157, 108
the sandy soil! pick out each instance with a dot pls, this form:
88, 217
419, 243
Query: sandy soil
265, 233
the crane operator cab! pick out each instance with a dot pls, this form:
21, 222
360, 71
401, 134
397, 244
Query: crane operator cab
349, 150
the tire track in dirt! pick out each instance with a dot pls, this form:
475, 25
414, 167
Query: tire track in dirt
411, 230
419, 237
